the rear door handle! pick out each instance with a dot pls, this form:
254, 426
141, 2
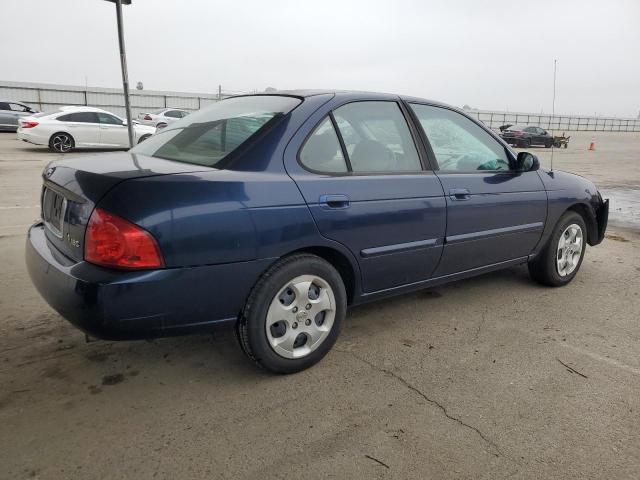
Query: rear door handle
335, 202
459, 194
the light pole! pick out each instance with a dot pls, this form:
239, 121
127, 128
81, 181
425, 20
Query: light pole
123, 64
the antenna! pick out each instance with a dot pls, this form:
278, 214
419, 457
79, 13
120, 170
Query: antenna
553, 108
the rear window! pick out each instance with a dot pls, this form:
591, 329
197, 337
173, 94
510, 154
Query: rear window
206, 137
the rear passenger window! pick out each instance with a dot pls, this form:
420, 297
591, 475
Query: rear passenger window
322, 152
82, 117
377, 137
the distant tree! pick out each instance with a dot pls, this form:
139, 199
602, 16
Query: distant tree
270, 90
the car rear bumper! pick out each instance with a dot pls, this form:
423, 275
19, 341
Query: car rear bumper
27, 136
119, 305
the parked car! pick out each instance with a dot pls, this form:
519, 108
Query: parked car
275, 212
525, 137
162, 118
10, 112
71, 128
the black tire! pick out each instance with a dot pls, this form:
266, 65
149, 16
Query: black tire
160, 125
251, 327
548, 144
61, 142
543, 268
143, 138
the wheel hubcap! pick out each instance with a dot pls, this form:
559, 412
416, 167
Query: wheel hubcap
61, 143
569, 250
300, 316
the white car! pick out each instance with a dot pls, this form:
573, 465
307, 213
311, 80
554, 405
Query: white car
69, 128
161, 118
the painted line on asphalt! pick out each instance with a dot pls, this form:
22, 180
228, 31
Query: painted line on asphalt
18, 207
600, 358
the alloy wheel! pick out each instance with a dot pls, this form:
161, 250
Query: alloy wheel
569, 249
61, 143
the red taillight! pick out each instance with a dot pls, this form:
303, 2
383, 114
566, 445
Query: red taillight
28, 124
518, 133
112, 241
147, 117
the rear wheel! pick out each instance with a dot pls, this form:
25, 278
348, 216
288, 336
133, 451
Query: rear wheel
143, 138
293, 315
561, 258
160, 125
61, 142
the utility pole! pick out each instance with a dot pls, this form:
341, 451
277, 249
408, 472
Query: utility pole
123, 65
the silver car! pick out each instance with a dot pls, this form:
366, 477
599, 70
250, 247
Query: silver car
161, 118
10, 112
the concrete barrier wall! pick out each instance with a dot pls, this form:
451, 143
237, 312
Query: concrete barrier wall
46, 97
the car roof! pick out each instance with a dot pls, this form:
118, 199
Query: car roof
355, 94
80, 108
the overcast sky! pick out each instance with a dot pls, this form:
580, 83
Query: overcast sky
488, 54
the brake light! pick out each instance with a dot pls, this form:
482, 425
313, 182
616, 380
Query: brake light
112, 241
147, 117
28, 124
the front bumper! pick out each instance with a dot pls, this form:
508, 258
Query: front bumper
602, 218
119, 305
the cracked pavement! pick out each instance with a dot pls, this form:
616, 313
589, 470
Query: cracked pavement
480, 379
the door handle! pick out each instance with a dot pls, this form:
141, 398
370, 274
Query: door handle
335, 202
459, 194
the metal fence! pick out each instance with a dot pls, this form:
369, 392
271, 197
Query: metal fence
46, 97
562, 123
49, 97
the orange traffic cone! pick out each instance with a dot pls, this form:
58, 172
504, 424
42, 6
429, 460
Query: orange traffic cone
592, 145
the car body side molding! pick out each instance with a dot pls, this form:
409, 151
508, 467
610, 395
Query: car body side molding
399, 247
527, 227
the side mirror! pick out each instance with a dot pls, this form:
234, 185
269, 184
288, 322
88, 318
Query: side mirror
527, 162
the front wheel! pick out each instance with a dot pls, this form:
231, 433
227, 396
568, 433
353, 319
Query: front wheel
561, 258
143, 138
293, 315
61, 143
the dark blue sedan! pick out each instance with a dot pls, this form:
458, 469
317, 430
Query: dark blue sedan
274, 213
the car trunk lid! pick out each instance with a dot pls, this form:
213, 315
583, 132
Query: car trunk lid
72, 188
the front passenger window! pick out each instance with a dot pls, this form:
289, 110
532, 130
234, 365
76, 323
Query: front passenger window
458, 143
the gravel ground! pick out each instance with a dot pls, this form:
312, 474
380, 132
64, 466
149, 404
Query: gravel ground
492, 377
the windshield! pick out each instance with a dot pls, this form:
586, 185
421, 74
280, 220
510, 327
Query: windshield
206, 137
